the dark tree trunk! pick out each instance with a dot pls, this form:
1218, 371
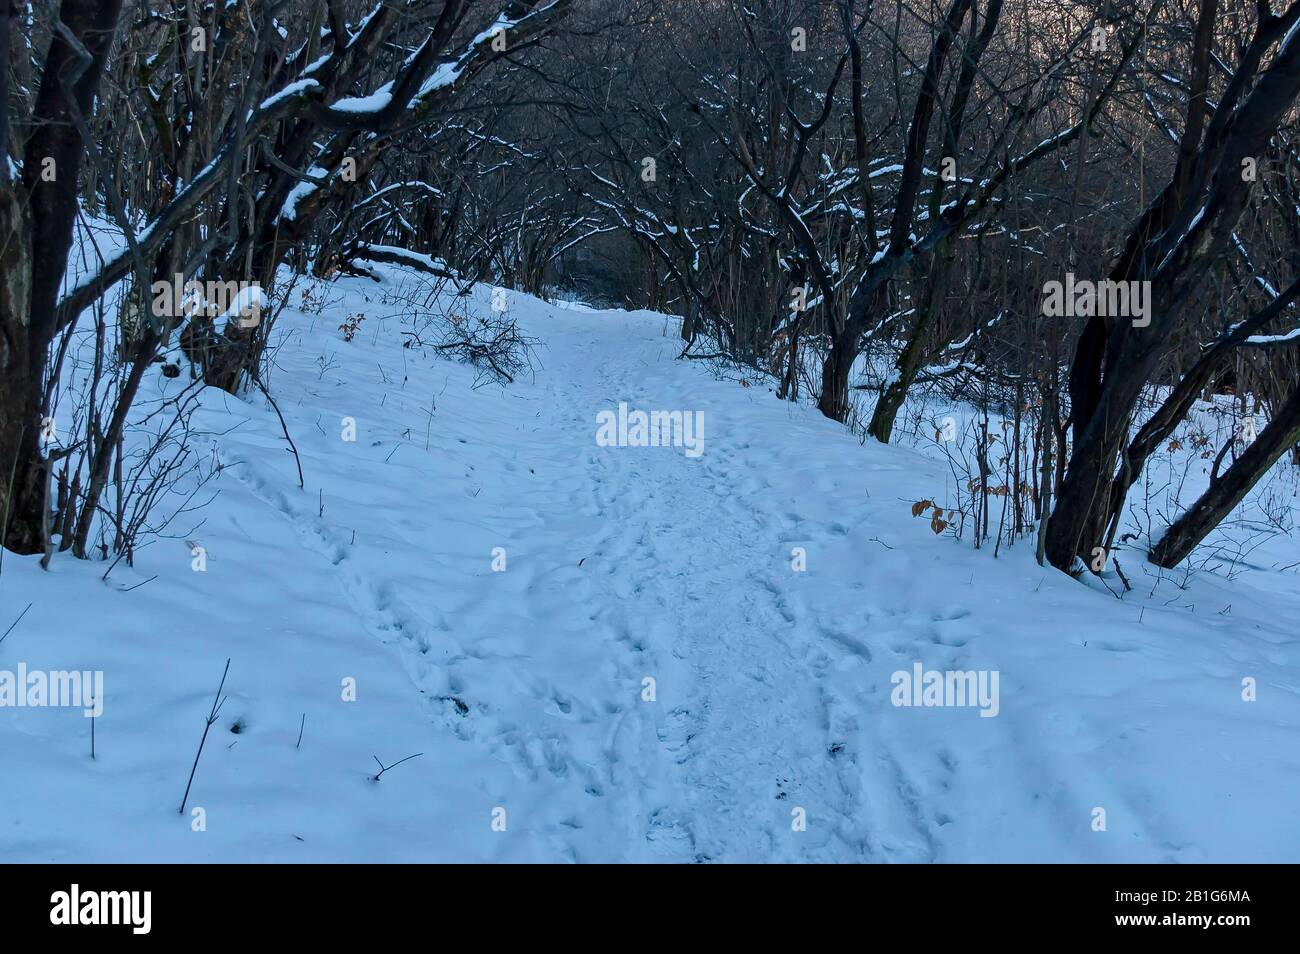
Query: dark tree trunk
834, 400
23, 470
21, 504
1228, 490
1172, 245
894, 393
36, 218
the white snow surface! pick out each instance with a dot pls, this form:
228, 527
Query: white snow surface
523, 689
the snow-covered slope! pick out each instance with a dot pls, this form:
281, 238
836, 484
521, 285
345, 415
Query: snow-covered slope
525, 689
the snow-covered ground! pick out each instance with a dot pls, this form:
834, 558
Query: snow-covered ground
684, 658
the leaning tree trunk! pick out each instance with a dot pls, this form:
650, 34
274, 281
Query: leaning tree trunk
1077, 523
893, 393
1228, 490
1195, 223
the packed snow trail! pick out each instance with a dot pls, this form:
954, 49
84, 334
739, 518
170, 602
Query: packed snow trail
622, 564
772, 686
770, 734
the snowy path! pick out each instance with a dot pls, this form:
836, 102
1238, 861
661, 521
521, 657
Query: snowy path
522, 690
697, 582
623, 564
772, 687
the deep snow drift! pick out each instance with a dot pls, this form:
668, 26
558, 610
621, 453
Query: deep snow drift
684, 658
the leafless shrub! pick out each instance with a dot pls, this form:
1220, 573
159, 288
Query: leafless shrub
490, 341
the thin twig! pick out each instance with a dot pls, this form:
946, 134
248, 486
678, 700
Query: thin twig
1122, 577
384, 768
212, 717
283, 426
15, 622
